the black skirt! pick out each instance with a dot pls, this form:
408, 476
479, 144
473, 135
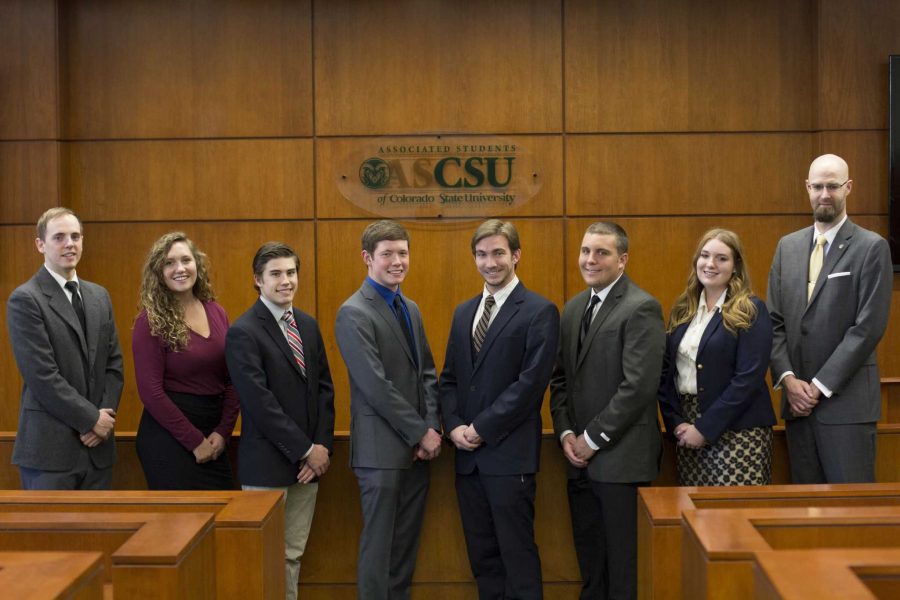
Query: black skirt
167, 464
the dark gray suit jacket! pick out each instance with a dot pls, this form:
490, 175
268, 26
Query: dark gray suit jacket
392, 401
68, 376
609, 389
832, 337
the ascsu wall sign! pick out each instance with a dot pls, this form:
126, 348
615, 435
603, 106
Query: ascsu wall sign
439, 176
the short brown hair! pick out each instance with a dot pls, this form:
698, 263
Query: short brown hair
380, 231
609, 228
497, 227
53, 213
270, 251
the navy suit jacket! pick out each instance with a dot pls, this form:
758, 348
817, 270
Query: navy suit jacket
731, 377
501, 391
283, 413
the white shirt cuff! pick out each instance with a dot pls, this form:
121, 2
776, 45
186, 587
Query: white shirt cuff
590, 442
777, 385
563, 435
825, 391
308, 452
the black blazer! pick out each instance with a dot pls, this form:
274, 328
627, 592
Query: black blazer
284, 414
501, 393
731, 377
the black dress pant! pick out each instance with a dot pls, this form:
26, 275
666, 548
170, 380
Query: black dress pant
604, 527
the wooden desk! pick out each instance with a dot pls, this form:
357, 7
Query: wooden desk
249, 528
146, 555
46, 575
719, 546
659, 520
844, 574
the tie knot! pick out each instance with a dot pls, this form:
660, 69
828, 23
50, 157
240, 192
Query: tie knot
288, 316
820, 240
72, 286
595, 299
489, 301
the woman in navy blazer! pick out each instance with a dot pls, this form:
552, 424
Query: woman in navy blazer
713, 393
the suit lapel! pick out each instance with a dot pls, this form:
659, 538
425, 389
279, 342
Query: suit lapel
61, 305
507, 312
606, 307
93, 315
838, 247
275, 333
711, 328
387, 314
574, 323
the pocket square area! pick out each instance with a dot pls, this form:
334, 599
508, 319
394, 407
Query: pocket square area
841, 274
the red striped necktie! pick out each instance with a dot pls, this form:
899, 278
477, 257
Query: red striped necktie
294, 341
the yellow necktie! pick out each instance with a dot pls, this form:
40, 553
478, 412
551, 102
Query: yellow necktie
815, 265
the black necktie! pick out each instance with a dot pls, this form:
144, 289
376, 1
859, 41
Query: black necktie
586, 320
398, 312
72, 286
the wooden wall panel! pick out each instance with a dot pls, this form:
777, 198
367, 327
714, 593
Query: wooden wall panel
190, 179
437, 66
687, 174
690, 65
854, 41
334, 160
28, 70
29, 180
114, 254
151, 69
442, 274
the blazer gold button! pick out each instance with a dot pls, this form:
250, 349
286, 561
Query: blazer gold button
699, 366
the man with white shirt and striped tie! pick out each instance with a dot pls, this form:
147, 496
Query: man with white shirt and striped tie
829, 297
277, 362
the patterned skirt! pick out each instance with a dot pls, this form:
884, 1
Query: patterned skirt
737, 458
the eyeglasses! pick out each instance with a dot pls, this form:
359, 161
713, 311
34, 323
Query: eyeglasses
831, 187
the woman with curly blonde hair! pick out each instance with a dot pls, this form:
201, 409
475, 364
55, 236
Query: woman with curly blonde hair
178, 343
713, 393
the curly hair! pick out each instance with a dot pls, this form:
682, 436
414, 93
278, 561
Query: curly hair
738, 312
164, 312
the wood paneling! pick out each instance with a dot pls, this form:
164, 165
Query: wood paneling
152, 69
190, 179
690, 65
442, 274
29, 180
437, 66
334, 160
867, 154
114, 254
854, 41
28, 70
690, 174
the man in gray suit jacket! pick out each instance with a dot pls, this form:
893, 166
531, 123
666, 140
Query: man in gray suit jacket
65, 343
826, 329
603, 402
394, 424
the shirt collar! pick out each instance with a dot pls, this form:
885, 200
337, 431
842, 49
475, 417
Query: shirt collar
719, 303
62, 280
276, 310
830, 234
386, 293
602, 294
501, 295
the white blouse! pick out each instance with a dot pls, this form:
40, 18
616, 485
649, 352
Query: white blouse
686, 356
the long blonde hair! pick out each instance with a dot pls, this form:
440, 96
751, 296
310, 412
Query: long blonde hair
164, 312
738, 312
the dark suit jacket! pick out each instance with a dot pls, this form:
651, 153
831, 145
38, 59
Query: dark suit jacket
731, 377
609, 389
283, 413
393, 401
68, 376
832, 337
501, 392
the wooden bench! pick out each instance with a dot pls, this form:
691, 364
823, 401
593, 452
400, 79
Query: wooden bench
146, 555
719, 546
659, 520
45, 575
249, 528
827, 574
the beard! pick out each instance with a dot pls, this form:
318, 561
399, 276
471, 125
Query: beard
825, 214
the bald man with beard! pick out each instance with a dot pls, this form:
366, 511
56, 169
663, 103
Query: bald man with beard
829, 296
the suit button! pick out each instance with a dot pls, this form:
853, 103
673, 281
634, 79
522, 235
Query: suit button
699, 366
472, 388
701, 389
